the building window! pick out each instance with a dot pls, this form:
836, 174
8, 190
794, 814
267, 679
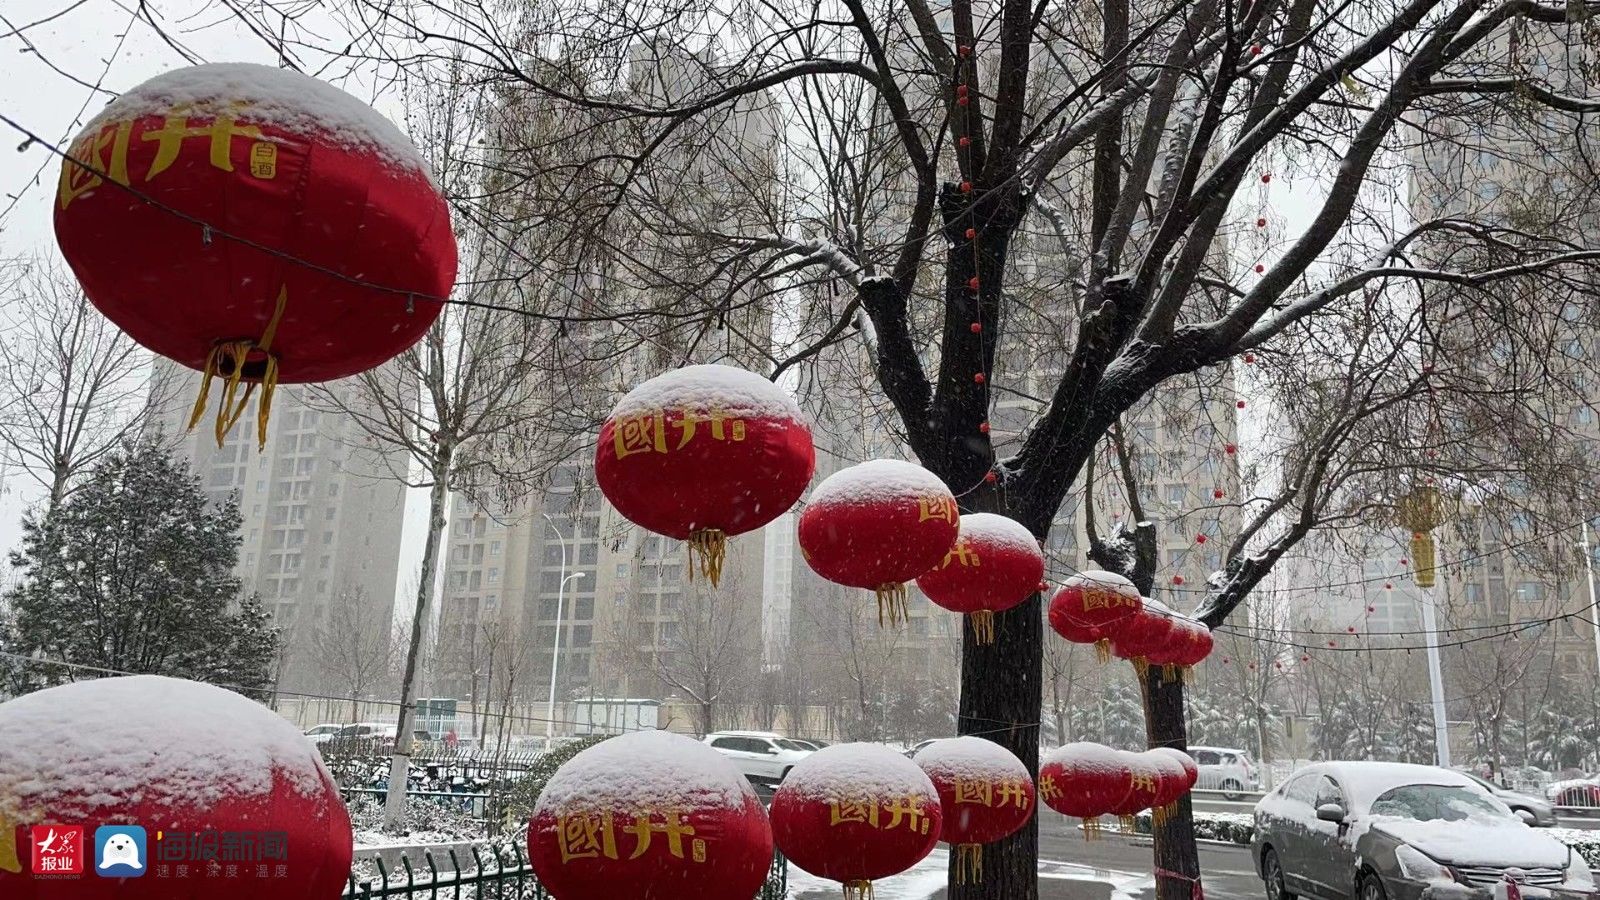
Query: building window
494, 548
1175, 494
494, 576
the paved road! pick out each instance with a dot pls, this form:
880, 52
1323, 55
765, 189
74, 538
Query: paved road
1109, 868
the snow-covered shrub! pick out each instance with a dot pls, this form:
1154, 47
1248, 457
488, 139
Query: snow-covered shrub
525, 792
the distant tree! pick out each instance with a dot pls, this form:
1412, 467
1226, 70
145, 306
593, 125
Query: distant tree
354, 646
133, 572
73, 387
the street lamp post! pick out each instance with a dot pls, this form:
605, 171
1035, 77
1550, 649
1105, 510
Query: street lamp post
555, 650
1594, 609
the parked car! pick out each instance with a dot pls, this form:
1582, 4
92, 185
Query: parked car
813, 743
1225, 769
912, 750
321, 734
1533, 810
1391, 831
760, 755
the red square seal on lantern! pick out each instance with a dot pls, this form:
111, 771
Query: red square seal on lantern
57, 850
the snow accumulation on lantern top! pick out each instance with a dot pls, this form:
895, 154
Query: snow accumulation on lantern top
705, 388
970, 758
640, 769
68, 751
265, 95
1083, 757
877, 481
851, 772
998, 531
1094, 579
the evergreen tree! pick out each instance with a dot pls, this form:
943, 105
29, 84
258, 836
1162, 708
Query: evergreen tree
134, 573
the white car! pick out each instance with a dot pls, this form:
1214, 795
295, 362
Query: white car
321, 734
1225, 769
760, 755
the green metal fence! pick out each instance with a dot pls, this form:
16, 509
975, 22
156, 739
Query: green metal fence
498, 872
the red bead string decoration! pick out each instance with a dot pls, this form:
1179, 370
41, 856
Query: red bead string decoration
967, 122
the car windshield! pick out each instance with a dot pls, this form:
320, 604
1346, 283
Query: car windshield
792, 745
1429, 802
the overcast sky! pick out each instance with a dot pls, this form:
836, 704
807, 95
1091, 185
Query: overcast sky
99, 55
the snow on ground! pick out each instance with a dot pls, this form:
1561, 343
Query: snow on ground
922, 881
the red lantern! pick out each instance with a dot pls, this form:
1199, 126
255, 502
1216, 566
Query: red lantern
1191, 770
855, 813
1143, 781
995, 565
878, 525
1148, 633
261, 226
183, 761
1084, 780
1190, 644
1096, 599
985, 793
703, 453
1172, 782
649, 813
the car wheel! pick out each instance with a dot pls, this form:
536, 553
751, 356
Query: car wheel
1232, 790
1372, 888
1272, 874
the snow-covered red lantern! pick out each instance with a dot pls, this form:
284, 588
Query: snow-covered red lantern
1143, 787
985, 793
1084, 780
1096, 603
1196, 646
704, 453
995, 565
1080, 634
1172, 782
646, 814
878, 525
1144, 636
854, 813
259, 226
1191, 769
203, 771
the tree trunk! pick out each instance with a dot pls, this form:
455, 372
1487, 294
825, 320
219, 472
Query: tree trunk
394, 806
1000, 700
1177, 859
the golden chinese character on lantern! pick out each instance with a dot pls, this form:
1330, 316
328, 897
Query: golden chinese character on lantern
722, 427
861, 812
1014, 793
963, 554
1048, 788
586, 837
941, 509
1141, 781
972, 790
641, 434
671, 825
907, 810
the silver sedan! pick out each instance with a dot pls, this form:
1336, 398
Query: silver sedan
1387, 831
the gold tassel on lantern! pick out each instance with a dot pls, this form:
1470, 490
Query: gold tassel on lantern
227, 360
1102, 650
1092, 829
1127, 824
892, 604
969, 863
983, 626
860, 889
710, 547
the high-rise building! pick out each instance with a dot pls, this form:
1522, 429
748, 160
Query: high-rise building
321, 516
1509, 549
559, 581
